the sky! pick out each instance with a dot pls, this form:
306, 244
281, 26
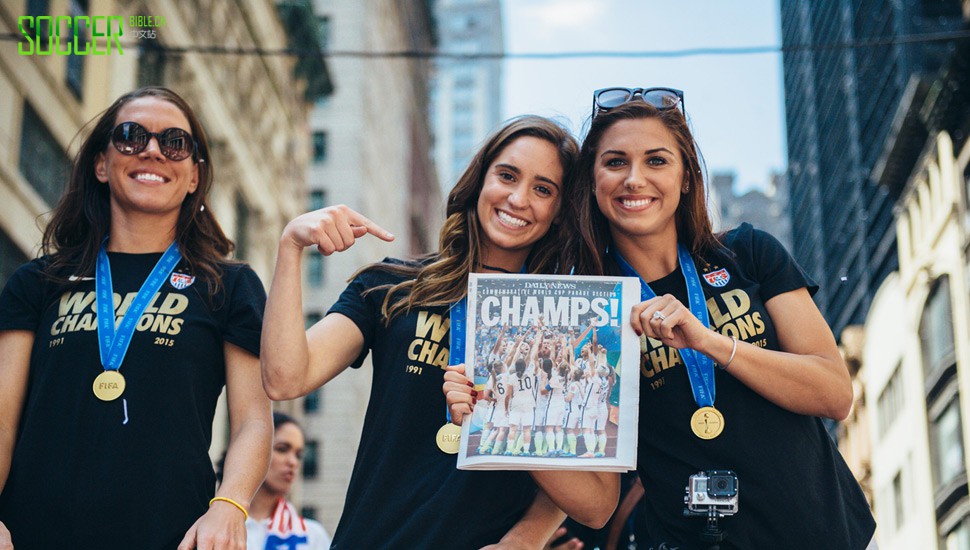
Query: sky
734, 102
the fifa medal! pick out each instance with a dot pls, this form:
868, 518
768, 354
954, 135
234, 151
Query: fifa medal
707, 422
109, 385
449, 438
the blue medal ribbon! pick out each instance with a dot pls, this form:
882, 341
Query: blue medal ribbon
456, 345
456, 337
700, 368
113, 344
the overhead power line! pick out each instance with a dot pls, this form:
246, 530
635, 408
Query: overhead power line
435, 54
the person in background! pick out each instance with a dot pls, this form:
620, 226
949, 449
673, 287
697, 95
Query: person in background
116, 344
273, 521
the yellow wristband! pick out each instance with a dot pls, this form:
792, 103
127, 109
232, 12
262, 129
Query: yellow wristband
233, 502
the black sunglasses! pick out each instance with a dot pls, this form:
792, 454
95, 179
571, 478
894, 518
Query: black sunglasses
605, 99
131, 138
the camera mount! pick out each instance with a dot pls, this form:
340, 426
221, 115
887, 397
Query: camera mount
712, 494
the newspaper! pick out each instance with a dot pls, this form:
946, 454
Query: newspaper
556, 367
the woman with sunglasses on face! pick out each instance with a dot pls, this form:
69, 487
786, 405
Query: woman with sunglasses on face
738, 364
115, 346
503, 216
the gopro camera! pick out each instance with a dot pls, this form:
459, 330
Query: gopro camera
713, 492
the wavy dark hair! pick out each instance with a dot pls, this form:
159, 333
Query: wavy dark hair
593, 237
441, 278
82, 218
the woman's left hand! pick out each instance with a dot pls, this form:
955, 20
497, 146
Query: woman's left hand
459, 393
223, 527
666, 319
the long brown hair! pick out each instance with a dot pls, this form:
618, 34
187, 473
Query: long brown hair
441, 278
691, 217
82, 218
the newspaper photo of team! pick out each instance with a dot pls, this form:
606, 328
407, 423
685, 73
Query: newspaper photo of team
546, 393
547, 369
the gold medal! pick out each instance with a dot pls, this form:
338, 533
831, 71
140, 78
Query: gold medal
109, 385
449, 438
707, 422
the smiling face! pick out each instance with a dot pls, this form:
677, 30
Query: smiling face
519, 200
284, 463
639, 179
147, 182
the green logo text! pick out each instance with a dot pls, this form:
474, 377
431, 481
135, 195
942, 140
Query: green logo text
46, 31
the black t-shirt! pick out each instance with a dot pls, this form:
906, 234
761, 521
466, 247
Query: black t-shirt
404, 492
795, 490
83, 478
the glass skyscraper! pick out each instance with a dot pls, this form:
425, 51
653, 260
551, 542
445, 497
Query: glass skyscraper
849, 66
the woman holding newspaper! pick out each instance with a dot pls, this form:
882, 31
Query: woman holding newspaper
738, 363
405, 492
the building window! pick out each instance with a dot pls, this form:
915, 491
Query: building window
318, 199
311, 459
312, 318
42, 161
311, 403
319, 146
314, 269
890, 402
309, 512
947, 441
315, 260
10, 258
899, 506
38, 8
936, 329
323, 31
151, 64
242, 227
75, 63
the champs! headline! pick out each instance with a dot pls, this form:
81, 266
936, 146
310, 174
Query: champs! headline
563, 311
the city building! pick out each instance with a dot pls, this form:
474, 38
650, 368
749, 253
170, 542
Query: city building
917, 334
852, 434
370, 151
847, 65
254, 108
466, 94
764, 209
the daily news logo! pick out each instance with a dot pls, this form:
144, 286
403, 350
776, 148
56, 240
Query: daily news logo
81, 34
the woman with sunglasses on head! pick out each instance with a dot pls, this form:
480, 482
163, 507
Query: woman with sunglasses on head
503, 216
738, 364
115, 346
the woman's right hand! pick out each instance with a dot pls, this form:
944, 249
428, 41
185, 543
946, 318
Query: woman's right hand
6, 543
331, 229
459, 393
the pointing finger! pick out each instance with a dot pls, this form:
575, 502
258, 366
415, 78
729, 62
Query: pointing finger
361, 220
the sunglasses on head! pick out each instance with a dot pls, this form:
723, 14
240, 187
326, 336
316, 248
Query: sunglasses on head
131, 138
662, 98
